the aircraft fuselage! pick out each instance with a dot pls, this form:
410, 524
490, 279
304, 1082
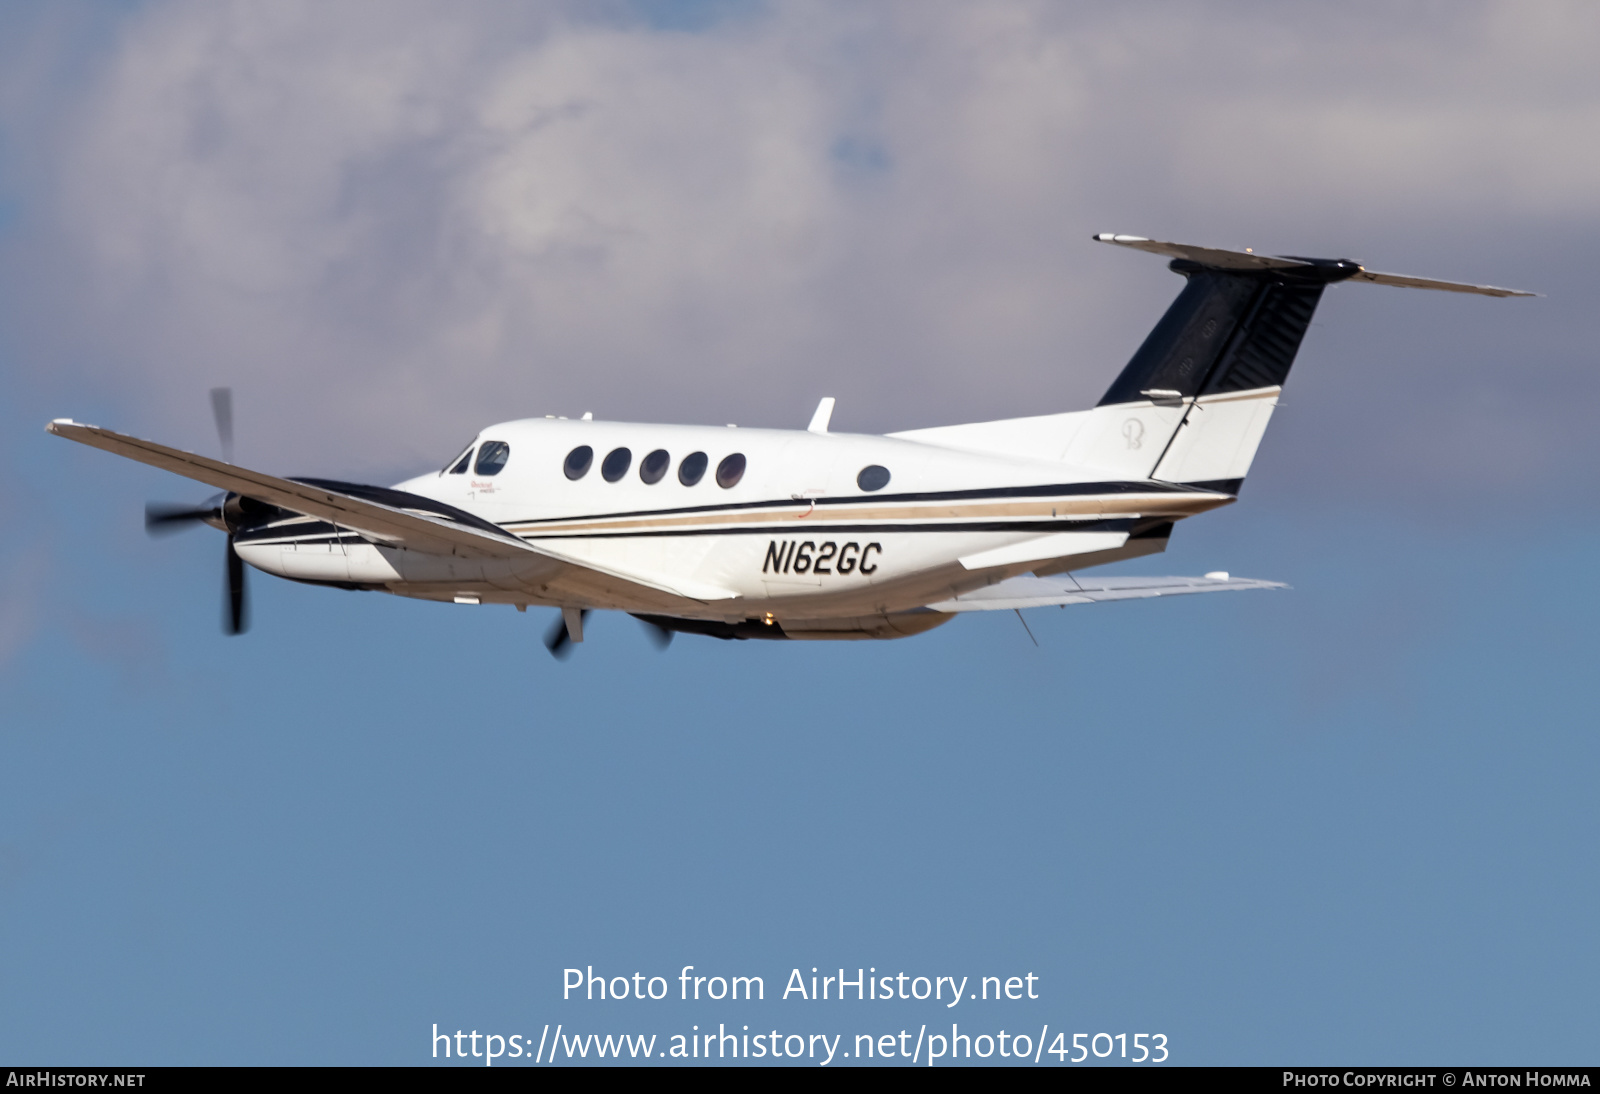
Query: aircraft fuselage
819, 532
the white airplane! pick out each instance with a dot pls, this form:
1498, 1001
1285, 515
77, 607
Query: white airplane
770, 533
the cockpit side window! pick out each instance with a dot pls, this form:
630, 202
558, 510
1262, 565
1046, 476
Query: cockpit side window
459, 465
492, 457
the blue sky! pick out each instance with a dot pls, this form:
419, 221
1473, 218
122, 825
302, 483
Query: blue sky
1349, 822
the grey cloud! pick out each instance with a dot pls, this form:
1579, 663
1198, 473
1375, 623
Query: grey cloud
388, 226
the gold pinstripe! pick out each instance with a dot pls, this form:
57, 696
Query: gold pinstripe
1119, 505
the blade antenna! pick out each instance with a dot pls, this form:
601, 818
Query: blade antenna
1025, 626
222, 411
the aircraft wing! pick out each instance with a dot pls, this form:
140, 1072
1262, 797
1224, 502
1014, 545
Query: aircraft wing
389, 524
381, 514
1028, 591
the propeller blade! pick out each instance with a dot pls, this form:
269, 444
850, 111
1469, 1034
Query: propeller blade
236, 621
558, 640
660, 637
161, 518
222, 411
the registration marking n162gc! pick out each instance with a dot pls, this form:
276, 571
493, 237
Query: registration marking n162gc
791, 556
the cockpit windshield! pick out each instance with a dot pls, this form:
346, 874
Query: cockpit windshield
459, 465
492, 457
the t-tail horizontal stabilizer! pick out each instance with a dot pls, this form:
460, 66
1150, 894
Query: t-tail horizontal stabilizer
1342, 268
1028, 591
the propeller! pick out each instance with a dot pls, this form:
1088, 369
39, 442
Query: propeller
162, 518
659, 636
222, 411
235, 620
558, 640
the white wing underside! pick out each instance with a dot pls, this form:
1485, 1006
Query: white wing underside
1048, 592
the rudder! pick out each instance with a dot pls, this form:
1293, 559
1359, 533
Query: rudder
1192, 404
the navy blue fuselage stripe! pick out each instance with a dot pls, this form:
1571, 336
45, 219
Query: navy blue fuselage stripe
1056, 490
791, 530
400, 499
315, 531
788, 529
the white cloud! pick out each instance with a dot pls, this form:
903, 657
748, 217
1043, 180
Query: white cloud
390, 224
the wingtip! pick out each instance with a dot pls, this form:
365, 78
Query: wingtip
52, 426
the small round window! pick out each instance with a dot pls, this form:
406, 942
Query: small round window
730, 470
693, 468
579, 460
492, 457
654, 466
616, 464
873, 477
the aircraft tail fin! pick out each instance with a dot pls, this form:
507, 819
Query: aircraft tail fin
1228, 330
1192, 404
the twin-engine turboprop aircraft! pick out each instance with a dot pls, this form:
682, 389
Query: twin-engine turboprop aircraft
768, 533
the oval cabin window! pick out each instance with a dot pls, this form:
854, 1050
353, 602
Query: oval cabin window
873, 477
693, 468
579, 460
730, 470
654, 466
616, 464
